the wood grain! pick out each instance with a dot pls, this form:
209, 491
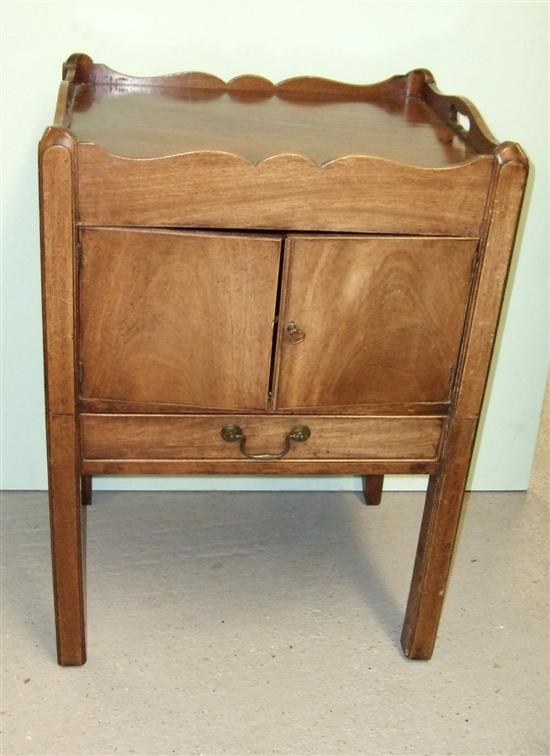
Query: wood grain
156, 122
57, 239
120, 406
399, 318
249, 467
67, 540
446, 488
56, 163
181, 318
216, 190
77, 70
102, 76
382, 317
198, 436
414, 94
449, 108
498, 243
437, 540
372, 489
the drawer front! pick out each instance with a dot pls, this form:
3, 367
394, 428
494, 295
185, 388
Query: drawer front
199, 437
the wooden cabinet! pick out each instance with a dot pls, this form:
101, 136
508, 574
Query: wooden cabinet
180, 320
382, 319
252, 278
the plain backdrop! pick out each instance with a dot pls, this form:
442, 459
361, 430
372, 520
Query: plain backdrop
494, 53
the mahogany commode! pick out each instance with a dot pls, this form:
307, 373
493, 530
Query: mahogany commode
242, 277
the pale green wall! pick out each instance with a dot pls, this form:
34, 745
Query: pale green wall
496, 54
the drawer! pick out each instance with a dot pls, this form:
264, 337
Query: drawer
199, 437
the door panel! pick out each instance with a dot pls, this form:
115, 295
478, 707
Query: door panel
177, 318
372, 320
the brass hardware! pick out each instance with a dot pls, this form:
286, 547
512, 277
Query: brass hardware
293, 333
232, 433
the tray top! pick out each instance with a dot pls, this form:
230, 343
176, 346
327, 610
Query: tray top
166, 121
404, 119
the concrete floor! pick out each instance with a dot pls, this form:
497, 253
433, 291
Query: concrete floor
223, 623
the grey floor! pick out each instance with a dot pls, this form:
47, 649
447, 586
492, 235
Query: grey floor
223, 623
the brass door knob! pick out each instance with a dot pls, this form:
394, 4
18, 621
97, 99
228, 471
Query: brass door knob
294, 334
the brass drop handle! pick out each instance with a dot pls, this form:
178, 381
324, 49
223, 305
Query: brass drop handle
299, 433
293, 333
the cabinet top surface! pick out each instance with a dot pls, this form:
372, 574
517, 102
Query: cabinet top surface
322, 127
404, 119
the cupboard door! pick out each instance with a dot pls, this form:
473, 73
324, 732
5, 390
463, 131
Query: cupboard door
175, 318
371, 320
